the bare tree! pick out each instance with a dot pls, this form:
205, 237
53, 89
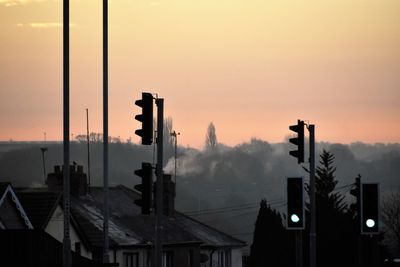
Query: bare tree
211, 137
391, 214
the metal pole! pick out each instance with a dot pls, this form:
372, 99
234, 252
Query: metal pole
105, 131
358, 219
313, 234
88, 146
44, 149
299, 248
176, 155
159, 183
66, 192
175, 135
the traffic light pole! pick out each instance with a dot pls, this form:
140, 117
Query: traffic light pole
299, 248
159, 183
313, 234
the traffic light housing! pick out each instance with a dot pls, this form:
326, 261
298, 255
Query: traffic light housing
370, 208
146, 187
146, 133
298, 141
295, 203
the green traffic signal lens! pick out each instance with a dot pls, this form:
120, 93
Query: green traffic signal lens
294, 218
370, 223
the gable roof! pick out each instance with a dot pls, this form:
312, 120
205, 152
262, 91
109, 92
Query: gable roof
5, 190
128, 227
39, 206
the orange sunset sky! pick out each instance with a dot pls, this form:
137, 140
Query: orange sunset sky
252, 67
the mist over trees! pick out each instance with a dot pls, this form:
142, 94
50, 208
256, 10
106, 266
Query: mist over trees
222, 187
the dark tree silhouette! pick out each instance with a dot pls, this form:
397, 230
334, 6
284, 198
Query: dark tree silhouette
270, 246
211, 137
391, 216
335, 235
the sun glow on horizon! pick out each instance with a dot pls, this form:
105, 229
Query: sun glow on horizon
252, 67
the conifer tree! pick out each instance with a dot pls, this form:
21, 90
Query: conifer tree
335, 235
270, 246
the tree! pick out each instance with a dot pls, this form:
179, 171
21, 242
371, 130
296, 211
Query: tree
270, 246
391, 215
211, 137
335, 236
325, 184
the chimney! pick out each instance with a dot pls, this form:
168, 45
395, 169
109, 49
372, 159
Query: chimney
54, 180
78, 180
168, 195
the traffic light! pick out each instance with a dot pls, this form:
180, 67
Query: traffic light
146, 187
146, 103
298, 141
295, 203
369, 208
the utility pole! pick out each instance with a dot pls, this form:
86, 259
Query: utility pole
313, 234
159, 182
175, 135
44, 149
105, 132
88, 146
66, 191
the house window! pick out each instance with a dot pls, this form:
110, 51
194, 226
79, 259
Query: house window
131, 259
168, 259
78, 247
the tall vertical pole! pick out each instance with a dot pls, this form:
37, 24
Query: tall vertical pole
105, 131
313, 234
299, 248
175, 135
176, 153
88, 146
358, 220
159, 183
44, 149
66, 191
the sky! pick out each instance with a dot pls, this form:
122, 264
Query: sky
252, 67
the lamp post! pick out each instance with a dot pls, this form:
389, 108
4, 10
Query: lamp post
175, 135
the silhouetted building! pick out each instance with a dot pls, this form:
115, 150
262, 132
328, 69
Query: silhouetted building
186, 242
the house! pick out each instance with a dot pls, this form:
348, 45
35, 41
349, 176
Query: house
22, 239
45, 210
186, 242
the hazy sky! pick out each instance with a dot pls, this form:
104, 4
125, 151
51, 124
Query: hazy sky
252, 67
